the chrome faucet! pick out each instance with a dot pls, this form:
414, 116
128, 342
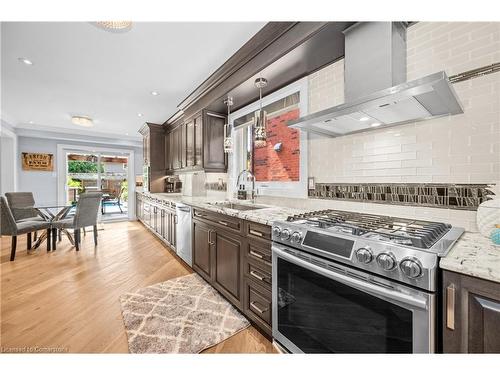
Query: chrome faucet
252, 177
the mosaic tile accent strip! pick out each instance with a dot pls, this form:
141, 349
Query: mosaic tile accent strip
463, 196
218, 186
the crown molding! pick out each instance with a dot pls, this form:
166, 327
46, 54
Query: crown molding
50, 132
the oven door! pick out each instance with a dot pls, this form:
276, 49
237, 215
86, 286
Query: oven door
324, 307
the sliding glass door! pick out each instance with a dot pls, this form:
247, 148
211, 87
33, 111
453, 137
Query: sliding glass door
103, 172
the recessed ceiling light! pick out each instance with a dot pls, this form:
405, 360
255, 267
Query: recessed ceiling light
31, 122
140, 114
82, 121
364, 118
376, 124
155, 93
126, 133
25, 61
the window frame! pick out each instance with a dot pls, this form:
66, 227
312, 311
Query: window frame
296, 189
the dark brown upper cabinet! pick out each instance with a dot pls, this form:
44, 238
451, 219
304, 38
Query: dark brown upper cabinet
214, 158
190, 143
183, 146
471, 314
197, 143
153, 145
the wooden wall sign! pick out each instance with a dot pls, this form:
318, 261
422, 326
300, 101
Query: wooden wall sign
37, 162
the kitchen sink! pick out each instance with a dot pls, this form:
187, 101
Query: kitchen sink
238, 206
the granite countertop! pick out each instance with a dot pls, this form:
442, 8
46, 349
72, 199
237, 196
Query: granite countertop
474, 255
265, 215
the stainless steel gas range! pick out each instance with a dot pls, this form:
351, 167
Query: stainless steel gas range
347, 282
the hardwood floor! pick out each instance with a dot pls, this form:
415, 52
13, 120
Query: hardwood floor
67, 300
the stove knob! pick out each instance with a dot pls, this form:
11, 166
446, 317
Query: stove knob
296, 237
276, 232
411, 268
285, 234
386, 261
364, 255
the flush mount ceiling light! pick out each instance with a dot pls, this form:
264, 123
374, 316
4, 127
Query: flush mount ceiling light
25, 61
84, 121
155, 93
260, 118
376, 124
114, 26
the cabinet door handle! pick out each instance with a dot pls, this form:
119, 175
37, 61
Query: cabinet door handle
176, 220
210, 242
256, 254
222, 222
257, 308
450, 307
256, 233
257, 276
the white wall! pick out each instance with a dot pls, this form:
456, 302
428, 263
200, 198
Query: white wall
7, 175
8, 152
44, 184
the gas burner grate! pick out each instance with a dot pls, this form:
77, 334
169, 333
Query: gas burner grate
417, 233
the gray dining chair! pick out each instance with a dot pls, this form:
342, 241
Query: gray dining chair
9, 226
22, 207
86, 212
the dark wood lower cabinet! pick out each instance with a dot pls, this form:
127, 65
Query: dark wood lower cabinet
471, 314
236, 261
257, 305
159, 217
202, 250
227, 262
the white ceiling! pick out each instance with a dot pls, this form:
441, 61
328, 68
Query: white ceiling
79, 69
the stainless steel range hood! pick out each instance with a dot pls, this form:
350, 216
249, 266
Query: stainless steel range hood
376, 93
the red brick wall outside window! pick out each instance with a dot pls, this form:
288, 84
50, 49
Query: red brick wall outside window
270, 165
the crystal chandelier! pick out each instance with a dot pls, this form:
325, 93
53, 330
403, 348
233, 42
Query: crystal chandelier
260, 117
114, 26
228, 141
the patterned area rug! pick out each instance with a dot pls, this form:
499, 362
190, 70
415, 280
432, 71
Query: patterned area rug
182, 315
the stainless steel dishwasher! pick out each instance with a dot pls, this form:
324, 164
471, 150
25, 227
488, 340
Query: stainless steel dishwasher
183, 233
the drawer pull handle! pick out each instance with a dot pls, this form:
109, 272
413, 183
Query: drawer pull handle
222, 222
256, 233
257, 255
257, 276
450, 307
254, 306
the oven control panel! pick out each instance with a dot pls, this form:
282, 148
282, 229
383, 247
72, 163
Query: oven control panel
409, 265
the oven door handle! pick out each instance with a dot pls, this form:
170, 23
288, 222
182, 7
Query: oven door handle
365, 286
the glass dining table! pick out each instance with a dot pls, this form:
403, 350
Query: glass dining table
50, 214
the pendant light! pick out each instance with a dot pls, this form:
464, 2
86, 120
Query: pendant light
260, 118
228, 141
